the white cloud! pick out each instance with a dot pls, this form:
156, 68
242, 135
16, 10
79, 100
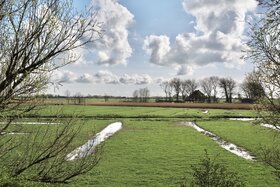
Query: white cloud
106, 77
103, 76
85, 78
157, 47
220, 27
113, 47
185, 70
136, 79
63, 77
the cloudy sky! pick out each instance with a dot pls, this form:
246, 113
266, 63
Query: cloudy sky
149, 41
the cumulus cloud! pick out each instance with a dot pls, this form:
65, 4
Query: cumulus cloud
113, 47
106, 77
103, 76
85, 78
185, 70
157, 47
63, 77
136, 79
220, 27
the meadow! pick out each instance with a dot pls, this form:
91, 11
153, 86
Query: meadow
155, 149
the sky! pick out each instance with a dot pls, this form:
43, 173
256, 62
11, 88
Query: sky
146, 42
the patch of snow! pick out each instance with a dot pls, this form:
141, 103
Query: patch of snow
88, 148
205, 112
242, 119
13, 133
271, 126
29, 123
226, 145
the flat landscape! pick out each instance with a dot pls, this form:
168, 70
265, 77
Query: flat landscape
154, 147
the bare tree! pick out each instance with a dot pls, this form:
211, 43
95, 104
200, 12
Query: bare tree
207, 88
184, 86
170, 91
145, 94
37, 37
228, 85
141, 95
252, 87
264, 52
68, 94
215, 84
135, 95
176, 84
164, 86
192, 85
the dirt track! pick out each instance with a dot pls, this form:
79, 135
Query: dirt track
178, 105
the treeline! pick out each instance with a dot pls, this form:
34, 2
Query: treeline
208, 89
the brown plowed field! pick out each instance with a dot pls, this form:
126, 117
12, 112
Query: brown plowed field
178, 105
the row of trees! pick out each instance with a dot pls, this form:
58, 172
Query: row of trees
251, 87
141, 95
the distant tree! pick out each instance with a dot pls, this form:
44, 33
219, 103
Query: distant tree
192, 85
135, 95
215, 84
145, 94
106, 98
228, 85
68, 94
252, 87
165, 87
141, 95
170, 91
207, 88
184, 85
79, 98
176, 84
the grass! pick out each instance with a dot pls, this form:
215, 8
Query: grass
159, 151
137, 112
161, 154
245, 134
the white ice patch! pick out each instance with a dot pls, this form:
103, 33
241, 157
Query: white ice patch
29, 123
262, 124
13, 133
271, 126
226, 145
205, 111
88, 148
242, 119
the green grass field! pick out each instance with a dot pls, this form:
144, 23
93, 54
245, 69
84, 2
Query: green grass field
155, 149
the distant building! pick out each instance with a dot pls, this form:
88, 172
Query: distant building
196, 96
247, 100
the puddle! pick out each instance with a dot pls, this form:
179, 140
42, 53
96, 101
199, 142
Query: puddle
88, 148
224, 144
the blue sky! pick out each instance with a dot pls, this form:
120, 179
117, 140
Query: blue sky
149, 41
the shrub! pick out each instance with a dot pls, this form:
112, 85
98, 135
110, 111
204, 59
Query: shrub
208, 173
